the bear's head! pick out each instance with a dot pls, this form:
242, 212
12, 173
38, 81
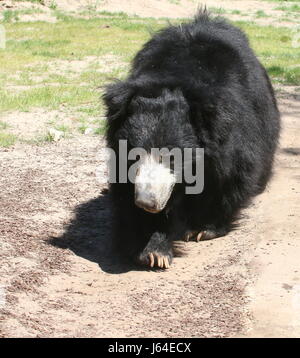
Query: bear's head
157, 129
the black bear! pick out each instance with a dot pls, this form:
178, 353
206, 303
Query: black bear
195, 85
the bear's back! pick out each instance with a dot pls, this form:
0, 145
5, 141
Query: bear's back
206, 51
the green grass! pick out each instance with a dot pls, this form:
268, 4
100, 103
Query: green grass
10, 15
32, 48
7, 139
3, 125
274, 48
14, 15
101, 128
53, 5
292, 8
63, 128
217, 10
290, 75
261, 13
50, 97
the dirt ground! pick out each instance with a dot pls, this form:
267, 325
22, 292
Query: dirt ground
60, 278
157, 8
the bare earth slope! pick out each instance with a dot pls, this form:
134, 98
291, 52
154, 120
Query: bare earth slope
59, 277
262, 12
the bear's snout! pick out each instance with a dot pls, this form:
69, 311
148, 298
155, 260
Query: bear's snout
145, 201
153, 185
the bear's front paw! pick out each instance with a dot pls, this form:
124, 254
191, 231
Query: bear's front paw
157, 253
155, 259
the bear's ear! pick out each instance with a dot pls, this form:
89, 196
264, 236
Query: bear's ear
116, 98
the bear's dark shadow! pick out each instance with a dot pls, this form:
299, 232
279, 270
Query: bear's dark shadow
88, 235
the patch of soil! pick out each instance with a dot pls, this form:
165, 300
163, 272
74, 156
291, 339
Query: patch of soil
70, 68
57, 263
59, 276
35, 125
46, 17
42, 13
103, 64
161, 8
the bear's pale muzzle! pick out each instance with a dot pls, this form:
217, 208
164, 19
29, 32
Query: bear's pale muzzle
153, 185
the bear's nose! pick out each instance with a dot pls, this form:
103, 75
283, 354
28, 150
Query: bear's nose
145, 201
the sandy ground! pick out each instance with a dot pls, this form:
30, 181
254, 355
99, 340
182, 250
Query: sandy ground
275, 292
156, 8
60, 278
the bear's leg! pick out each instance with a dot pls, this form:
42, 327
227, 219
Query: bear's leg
158, 252
163, 244
142, 237
132, 232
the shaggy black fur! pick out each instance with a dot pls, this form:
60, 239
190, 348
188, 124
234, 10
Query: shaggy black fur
194, 85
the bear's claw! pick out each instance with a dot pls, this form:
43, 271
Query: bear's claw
157, 253
194, 235
160, 260
199, 235
189, 235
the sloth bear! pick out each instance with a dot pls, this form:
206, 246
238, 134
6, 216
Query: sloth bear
195, 85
